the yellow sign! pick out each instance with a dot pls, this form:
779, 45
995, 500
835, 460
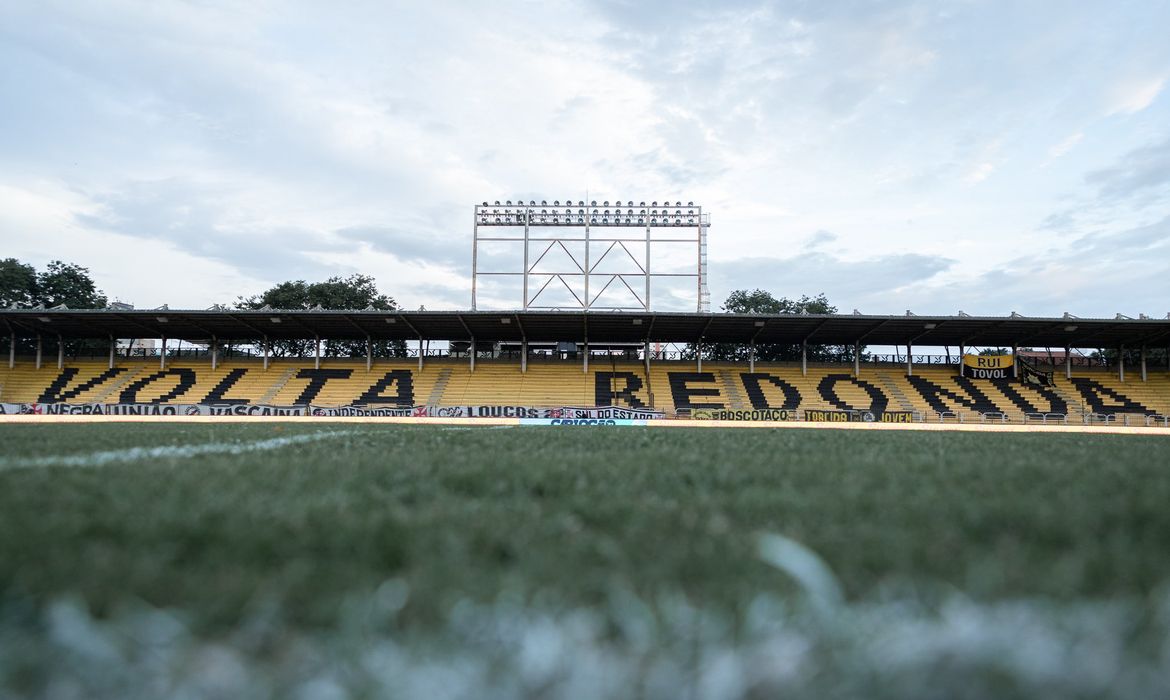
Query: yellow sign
989, 361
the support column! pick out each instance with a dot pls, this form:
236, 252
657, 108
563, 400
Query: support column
113, 345
267, 349
1015, 362
370, 352
588, 214
162, 354
475, 258
60, 352
1067, 362
752, 357
1121, 363
646, 358
585, 365
472, 353
1143, 363
317, 352
647, 262
962, 365
699, 355
804, 358
524, 277
40, 350
11, 350
857, 358
420, 353
523, 355
909, 360
214, 354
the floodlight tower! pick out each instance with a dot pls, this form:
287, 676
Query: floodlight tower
605, 228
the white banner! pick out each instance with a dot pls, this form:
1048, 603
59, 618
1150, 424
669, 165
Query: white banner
147, 409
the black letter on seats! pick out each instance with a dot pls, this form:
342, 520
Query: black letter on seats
401, 379
681, 394
317, 379
1095, 393
933, 393
751, 384
54, 393
604, 393
1008, 387
186, 381
828, 391
216, 395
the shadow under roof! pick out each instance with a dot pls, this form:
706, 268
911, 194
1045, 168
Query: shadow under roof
579, 326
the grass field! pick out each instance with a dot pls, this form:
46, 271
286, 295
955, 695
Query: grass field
388, 561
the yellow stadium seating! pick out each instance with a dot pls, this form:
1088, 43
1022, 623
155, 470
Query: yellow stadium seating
670, 387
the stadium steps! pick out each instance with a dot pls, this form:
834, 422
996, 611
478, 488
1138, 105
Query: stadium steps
26, 384
270, 394
559, 384
110, 395
344, 382
244, 381
440, 387
1153, 394
896, 393
945, 378
735, 398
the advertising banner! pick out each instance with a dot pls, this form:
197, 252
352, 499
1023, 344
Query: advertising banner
613, 412
988, 366
859, 416
143, 409
588, 422
764, 414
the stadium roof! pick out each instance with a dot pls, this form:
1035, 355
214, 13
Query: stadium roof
597, 327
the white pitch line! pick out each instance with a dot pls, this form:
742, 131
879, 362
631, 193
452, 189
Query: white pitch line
136, 454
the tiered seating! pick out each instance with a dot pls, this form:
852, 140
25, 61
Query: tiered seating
1105, 388
344, 383
676, 385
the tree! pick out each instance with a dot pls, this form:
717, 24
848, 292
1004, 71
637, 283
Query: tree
59, 283
18, 283
758, 301
68, 284
353, 293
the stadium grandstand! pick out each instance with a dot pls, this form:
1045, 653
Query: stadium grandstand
540, 363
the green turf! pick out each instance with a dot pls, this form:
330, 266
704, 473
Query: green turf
564, 516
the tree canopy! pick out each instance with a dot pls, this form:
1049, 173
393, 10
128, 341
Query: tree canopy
59, 283
759, 301
336, 293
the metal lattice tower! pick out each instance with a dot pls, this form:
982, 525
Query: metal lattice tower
606, 230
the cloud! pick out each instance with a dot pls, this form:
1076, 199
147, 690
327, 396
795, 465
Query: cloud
1137, 172
849, 283
255, 143
1134, 95
212, 222
1059, 149
819, 239
1083, 275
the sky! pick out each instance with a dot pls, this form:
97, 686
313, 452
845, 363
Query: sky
938, 156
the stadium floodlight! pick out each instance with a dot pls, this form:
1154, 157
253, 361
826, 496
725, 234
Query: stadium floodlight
689, 225
161, 319
275, 319
1070, 329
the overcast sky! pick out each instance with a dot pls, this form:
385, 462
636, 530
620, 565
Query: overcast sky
936, 156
